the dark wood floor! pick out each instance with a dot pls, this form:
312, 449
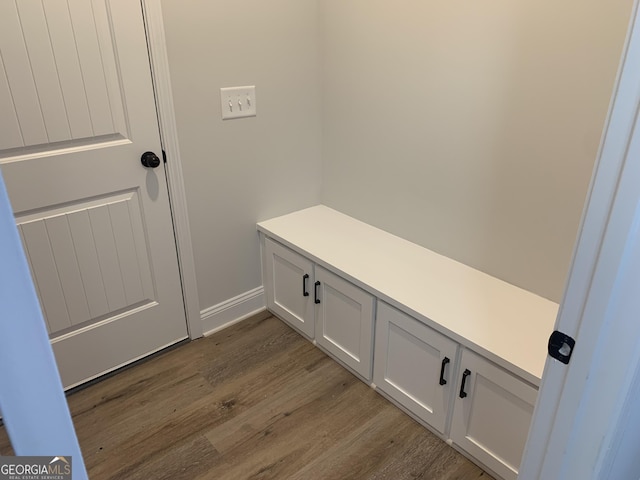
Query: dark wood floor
255, 401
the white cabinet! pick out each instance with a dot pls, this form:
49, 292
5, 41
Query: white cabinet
321, 305
448, 322
288, 283
418, 368
492, 414
344, 321
414, 365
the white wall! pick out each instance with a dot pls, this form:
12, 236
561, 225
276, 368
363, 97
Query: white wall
238, 172
470, 127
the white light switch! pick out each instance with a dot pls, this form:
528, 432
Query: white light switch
238, 102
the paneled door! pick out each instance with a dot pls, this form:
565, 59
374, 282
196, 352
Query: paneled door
77, 113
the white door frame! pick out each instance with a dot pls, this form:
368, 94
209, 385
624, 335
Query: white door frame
33, 403
579, 406
152, 12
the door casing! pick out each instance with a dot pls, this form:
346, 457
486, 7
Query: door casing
557, 442
152, 14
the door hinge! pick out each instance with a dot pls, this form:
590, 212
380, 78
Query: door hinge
164, 156
561, 346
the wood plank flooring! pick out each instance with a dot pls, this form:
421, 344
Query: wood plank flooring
255, 401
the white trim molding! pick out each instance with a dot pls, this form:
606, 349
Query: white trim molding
232, 311
35, 410
154, 25
576, 422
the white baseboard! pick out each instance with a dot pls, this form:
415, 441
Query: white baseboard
231, 311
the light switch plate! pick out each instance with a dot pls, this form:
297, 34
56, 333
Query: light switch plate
237, 102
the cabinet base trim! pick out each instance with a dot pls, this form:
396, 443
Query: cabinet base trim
473, 459
232, 311
438, 434
414, 416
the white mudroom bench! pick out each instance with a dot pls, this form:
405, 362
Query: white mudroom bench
461, 351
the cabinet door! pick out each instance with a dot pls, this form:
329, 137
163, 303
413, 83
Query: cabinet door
414, 365
491, 418
289, 285
344, 321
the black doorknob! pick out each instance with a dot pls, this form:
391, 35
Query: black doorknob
150, 160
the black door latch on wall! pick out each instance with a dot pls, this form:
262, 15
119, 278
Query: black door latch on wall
561, 346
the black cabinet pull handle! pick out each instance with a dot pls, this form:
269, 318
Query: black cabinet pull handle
304, 285
465, 374
445, 361
317, 300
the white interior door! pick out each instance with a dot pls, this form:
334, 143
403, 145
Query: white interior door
76, 113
